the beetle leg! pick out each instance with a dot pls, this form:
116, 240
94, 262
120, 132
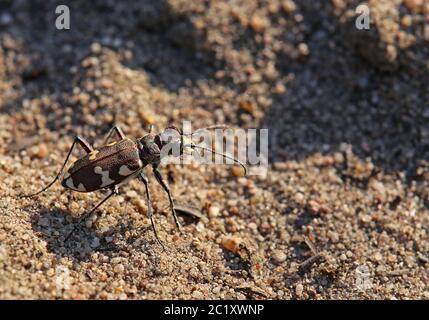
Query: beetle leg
117, 130
113, 191
85, 146
145, 181
161, 181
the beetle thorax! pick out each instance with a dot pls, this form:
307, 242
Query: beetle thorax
150, 149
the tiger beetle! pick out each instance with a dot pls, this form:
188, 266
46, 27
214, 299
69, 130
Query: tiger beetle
118, 162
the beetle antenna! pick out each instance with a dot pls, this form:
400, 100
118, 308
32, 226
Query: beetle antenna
221, 154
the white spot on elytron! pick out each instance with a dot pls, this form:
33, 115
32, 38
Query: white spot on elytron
81, 188
105, 179
125, 171
70, 184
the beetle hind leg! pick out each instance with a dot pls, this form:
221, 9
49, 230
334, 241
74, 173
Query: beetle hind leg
85, 146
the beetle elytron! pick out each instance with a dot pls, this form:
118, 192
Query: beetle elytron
118, 162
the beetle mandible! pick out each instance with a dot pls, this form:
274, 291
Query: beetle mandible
117, 162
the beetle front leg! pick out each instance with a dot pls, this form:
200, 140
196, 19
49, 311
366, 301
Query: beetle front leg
161, 181
85, 146
113, 191
145, 181
117, 130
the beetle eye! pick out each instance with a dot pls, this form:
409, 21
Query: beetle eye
158, 141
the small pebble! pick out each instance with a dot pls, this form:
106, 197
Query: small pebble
197, 295
279, 256
216, 290
42, 151
147, 117
338, 4
413, 5
131, 194
119, 268
237, 171
303, 49
288, 6
234, 210
299, 289
115, 260
377, 257
279, 88
95, 48
299, 197
407, 21
253, 226
213, 212
258, 24
232, 244
334, 237
314, 207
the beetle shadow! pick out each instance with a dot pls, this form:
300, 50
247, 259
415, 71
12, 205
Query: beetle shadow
53, 225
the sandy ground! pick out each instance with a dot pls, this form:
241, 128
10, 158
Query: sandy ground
347, 111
